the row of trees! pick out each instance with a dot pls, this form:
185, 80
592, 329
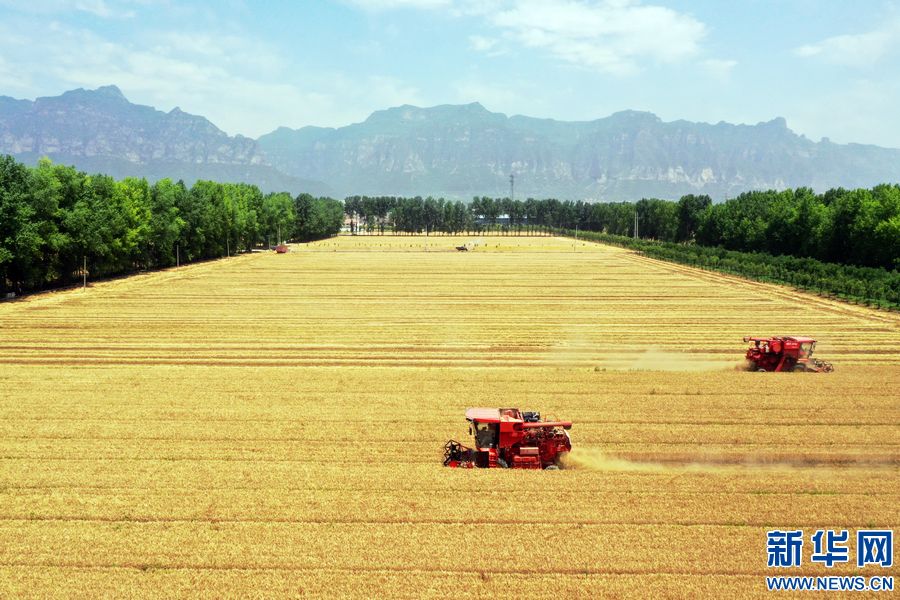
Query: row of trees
428, 215
54, 218
860, 227
658, 218
408, 215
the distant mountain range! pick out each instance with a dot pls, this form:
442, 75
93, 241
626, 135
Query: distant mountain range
452, 151
101, 131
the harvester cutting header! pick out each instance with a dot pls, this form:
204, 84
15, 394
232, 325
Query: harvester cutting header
510, 438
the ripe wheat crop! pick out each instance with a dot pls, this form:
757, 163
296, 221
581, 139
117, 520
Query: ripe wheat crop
273, 424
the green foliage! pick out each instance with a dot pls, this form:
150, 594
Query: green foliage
841, 226
19, 239
53, 219
690, 210
317, 218
166, 224
277, 217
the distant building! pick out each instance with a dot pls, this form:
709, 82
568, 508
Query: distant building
500, 220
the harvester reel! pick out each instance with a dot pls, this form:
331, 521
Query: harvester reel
453, 450
826, 367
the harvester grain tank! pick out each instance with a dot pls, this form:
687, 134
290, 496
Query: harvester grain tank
787, 353
510, 438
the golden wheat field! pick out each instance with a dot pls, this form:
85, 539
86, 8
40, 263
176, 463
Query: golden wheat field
272, 425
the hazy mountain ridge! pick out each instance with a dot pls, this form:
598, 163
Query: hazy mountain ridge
100, 130
452, 150
467, 150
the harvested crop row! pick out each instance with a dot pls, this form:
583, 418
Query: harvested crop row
416, 546
357, 505
273, 425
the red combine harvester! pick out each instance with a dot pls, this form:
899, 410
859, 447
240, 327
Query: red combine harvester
281, 248
510, 438
785, 354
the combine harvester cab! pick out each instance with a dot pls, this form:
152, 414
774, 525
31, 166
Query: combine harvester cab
786, 353
510, 438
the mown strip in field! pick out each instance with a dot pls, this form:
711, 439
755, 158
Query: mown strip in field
273, 423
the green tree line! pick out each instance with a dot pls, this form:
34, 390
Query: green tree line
54, 218
859, 227
429, 215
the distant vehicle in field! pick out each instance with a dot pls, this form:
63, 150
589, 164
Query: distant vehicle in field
786, 353
510, 438
462, 248
282, 248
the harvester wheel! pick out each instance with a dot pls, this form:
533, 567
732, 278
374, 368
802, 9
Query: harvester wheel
551, 468
798, 369
760, 370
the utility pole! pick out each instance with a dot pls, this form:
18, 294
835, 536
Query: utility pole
177, 255
635, 223
84, 273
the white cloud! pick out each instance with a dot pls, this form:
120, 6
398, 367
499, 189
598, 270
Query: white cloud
610, 36
234, 51
453, 7
858, 111
101, 9
613, 36
241, 85
388, 91
719, 68
105, 9
378, 5
855, 50
12, 78
480, 43
488, 94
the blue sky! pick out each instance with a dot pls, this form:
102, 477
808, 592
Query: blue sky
830, 67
